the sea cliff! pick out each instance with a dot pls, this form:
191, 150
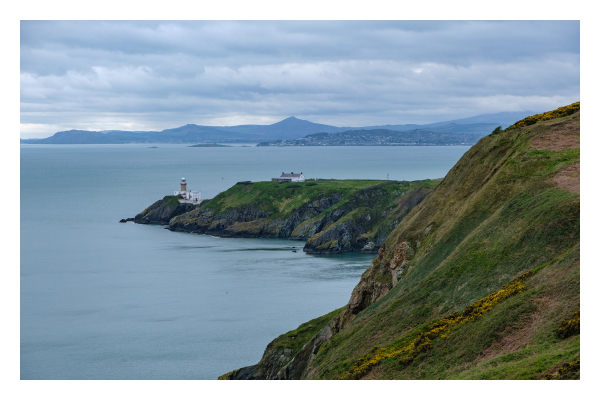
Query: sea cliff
479, 280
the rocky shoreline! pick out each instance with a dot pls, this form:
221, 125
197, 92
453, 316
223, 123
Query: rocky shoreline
161, 212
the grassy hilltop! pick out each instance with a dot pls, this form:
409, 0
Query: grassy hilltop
479, 281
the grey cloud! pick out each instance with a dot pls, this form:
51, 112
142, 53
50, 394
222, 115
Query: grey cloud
78, 74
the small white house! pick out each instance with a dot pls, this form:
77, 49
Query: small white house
290, 177
188, 196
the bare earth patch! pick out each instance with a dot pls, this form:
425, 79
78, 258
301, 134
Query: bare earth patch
568, 178
559, 136
514, 340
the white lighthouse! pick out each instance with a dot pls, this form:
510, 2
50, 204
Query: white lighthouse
186, 195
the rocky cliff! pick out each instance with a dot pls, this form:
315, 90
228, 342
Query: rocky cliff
480, 280
162, 211
333, 216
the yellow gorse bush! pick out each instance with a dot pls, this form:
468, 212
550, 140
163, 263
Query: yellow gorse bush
567, 371
440, 328
559, 112
569, 327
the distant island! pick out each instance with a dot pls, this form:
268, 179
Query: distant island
210, 145
380, 137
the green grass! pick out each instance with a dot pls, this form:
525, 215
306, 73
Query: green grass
378, 204
494, 216
298, 337
282, 199
172, 200
461, 355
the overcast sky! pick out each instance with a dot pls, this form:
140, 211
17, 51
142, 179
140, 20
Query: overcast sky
156, 75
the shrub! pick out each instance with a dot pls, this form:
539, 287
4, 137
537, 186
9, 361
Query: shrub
567, 371
440, 328
569, 327
559, 112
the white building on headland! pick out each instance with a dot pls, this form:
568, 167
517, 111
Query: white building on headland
290, 177
186, 195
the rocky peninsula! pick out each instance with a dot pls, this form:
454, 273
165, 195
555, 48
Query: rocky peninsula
332, 216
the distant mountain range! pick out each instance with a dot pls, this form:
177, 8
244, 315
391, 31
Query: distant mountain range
289, 129
476, 123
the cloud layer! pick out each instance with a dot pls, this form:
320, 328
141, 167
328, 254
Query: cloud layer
157, 75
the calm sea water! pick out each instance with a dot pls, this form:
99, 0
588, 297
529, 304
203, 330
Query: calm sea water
104, 300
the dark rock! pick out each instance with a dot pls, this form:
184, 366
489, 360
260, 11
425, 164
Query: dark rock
249, 221
162, 211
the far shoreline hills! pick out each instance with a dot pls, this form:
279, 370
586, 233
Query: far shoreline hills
380, 137
464, 131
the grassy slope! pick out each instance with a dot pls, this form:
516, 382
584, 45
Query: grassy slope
383, 216
295, 339
282, 199
497, 214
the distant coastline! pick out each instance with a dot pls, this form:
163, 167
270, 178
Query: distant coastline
380, 137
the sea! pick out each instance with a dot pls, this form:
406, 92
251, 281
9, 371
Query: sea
101, 299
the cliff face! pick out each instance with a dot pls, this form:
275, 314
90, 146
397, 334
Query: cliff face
478, 279
162, 211
281, 351
334, 216
249, 220
364, 223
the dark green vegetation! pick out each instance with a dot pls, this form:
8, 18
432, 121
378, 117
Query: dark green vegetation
381, 137
335, 216
508, 211
281, 199
209, 145
569, 327
568, 371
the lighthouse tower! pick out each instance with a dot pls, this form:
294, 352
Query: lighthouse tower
183, 185
186, 195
